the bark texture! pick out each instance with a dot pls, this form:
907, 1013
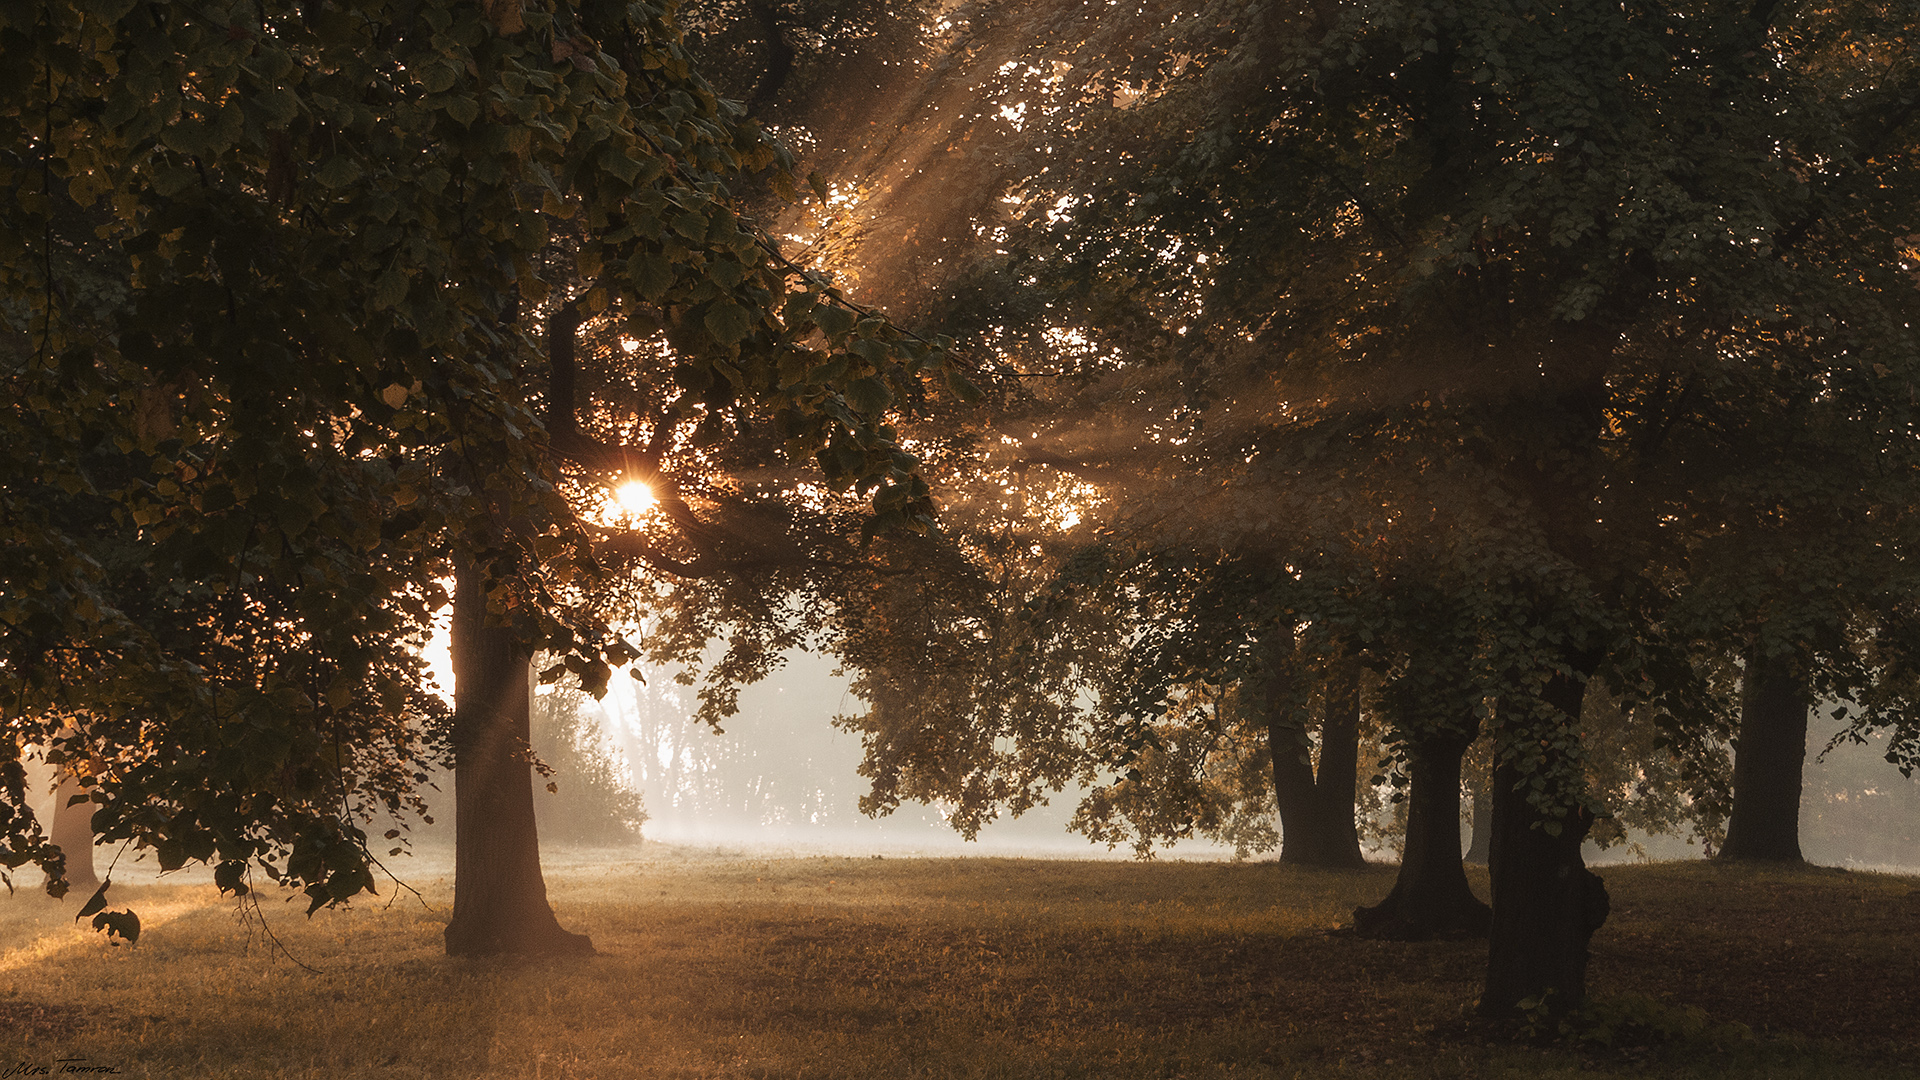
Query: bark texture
1768, 761
1431, 897
499, 896
1546, 903
1316, 811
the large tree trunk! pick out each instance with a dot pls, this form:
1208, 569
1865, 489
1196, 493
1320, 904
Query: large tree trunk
499, 896
1431, 897
1767, 764
73, 832
1316, 812
1546, 903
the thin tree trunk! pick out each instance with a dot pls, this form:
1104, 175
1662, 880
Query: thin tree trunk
1546, 903
1316, 813
1431, 897
1767, 764
73, 832
499, 897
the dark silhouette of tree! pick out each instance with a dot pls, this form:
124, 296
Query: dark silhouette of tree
1769, 752
1316, 797
287, 344
1499, 297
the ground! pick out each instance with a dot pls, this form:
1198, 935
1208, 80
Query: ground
716, 965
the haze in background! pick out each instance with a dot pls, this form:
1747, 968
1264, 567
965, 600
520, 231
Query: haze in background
782, 779
1856, 811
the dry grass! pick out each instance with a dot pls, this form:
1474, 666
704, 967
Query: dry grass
836, 967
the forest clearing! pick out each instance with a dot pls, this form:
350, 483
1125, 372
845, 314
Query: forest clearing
826, 967
1306, 428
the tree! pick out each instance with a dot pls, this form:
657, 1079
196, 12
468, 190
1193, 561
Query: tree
1435, 707
1769, 753
1518, 275
1212, 714
1589, 302
1316, 798
277, 302
1830, 513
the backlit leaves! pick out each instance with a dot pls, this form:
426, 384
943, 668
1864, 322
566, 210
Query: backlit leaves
265, 295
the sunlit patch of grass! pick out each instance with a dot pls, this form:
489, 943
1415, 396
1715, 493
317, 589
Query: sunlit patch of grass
837, 967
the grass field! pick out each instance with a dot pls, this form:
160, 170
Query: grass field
821, 967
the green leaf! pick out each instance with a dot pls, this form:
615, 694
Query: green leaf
229, 877
967, 392
729, 323
186, 137
692, 226
389, 289
620, 165
652, 275
339, 171
649, 169
437, 77
464, 110
726, 272
174, 179
869, 395
834, 319
877, 353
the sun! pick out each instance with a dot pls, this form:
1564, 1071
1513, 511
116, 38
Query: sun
634, 497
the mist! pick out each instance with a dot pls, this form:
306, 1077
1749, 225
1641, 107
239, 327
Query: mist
781, 778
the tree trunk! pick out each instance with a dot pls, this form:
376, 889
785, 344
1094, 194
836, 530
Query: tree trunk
1767, 764
1431, 897
1339, 761
499, 896
1316, 813
1546, 903
1482, 842
73, 832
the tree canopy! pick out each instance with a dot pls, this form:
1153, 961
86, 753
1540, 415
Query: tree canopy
1514, 345
277, 284
1499, 347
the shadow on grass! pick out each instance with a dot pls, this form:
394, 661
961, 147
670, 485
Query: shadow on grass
835, 967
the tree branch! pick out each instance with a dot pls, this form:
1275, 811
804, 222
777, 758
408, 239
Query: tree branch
562, 326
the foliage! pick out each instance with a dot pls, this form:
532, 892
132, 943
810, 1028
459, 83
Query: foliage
1538, 341
776, 56
1644, 785
274, 283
